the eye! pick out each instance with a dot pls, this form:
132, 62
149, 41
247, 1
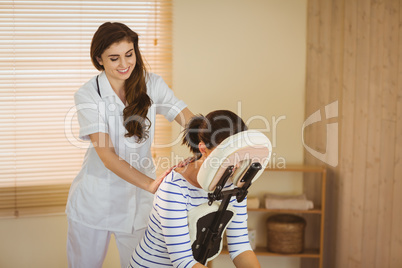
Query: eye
113, 59
129, 55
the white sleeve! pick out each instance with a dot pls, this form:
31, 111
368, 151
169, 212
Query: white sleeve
237, 232
90, 114
164, 99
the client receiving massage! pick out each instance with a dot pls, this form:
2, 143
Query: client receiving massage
167, 240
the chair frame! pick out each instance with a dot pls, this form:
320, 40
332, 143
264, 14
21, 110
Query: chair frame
213, 233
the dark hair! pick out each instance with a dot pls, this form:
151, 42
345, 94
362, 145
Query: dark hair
211, 129
135, 113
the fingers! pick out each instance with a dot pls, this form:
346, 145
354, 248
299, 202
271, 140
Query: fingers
186, 161
159, 180
156, 183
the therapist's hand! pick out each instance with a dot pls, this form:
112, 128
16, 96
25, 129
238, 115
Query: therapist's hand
154, 185
186, 161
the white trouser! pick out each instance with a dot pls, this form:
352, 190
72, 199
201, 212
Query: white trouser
87, 247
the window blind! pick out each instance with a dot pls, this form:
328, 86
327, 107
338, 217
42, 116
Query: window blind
44, 59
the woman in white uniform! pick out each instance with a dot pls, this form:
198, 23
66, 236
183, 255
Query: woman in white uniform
112, 194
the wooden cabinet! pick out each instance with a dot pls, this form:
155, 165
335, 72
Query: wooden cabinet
314, 185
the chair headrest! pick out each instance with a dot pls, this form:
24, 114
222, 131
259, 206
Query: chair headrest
239, 150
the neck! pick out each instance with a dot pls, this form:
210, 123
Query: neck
190, 172
118, 88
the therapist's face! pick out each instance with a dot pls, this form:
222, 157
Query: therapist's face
118, 60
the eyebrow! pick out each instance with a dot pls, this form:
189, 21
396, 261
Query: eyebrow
116, 55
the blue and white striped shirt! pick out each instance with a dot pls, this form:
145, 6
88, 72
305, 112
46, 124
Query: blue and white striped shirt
167, 240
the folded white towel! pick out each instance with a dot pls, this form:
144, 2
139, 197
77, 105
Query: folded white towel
253, 202
284, 196
297, 202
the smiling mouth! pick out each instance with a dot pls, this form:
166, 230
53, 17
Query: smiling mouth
124, 71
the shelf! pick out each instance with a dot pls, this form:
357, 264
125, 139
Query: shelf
299, 168
315, 234
262, 251
310, 211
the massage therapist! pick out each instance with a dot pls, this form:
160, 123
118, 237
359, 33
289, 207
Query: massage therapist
112, 194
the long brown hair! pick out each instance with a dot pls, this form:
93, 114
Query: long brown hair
135, 113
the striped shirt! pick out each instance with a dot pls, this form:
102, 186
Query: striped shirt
167, 240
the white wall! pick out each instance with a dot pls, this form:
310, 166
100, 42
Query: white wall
227, 54
249, 53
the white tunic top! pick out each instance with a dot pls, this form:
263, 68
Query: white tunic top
98, 198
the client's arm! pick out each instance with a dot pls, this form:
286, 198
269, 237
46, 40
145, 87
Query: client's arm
199, 265
246, 259
237, 235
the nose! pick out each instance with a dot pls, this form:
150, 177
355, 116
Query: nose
123, 62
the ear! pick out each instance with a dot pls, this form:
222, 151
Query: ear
202, 147
99, 60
